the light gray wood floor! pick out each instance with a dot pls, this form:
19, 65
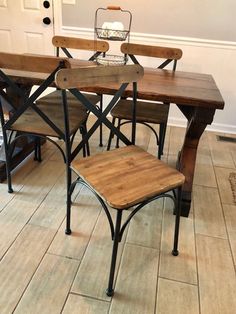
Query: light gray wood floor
44, 271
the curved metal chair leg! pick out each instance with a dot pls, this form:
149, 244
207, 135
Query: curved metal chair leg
116, 240
175, 251
68, 208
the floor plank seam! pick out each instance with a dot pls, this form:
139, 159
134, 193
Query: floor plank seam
196, 256
180, 281
225, 223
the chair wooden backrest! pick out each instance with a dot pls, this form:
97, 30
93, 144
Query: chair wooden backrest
65, 43
31, 63
170, 54
97, 75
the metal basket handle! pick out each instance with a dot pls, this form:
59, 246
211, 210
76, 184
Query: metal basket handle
113, 7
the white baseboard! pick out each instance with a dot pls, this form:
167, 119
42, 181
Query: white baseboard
154, 38
214, 127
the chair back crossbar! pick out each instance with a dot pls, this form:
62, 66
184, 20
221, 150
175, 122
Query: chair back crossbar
65, 43
171, 54
97, 75
31, 63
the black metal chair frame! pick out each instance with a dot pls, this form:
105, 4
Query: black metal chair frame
162, 131
102, 115
116, 228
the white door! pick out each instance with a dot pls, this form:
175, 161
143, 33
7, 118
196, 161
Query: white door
26, 26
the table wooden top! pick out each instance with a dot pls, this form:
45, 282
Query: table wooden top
183, 88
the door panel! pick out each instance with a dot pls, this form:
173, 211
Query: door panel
22, 29
32, 4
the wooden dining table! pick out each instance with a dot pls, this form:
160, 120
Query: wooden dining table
195, 94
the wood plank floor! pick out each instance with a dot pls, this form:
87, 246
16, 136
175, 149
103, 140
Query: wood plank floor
44, 271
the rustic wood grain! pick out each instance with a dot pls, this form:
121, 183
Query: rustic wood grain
151, 51
137, 166
80, 43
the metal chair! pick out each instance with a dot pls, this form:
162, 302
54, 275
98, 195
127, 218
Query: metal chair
66, 44
147, 112
124, 177
38, 120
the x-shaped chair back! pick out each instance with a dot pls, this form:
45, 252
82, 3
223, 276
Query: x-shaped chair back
28, 63
97, 47
14, 71
76, 79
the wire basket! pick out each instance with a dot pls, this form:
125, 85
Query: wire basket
111, 34
112, 60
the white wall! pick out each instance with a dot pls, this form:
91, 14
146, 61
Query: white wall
215, 55
209, 19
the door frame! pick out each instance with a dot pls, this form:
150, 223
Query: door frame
57, 17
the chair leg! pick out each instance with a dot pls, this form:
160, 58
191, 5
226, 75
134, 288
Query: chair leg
175, 251
87, 142
68, 204
37, 149
7, 164
162, 134
117, 138
8, 171
68, 186
111, 135
116, 240
100, 128
83, 132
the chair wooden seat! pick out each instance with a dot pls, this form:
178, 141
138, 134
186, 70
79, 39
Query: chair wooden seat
114, 175
145, 111
31, 122
54, 98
